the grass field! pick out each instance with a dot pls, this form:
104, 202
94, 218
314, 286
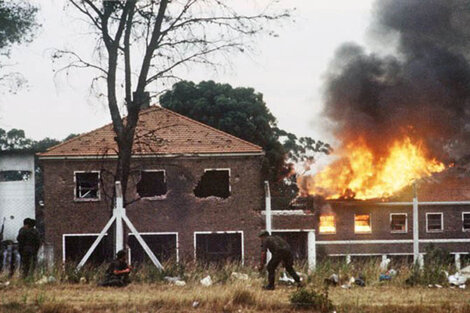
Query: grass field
149, 292
236, 296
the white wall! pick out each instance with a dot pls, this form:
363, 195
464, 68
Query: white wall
16, 197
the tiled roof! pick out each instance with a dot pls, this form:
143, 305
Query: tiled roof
159, 132
453, 184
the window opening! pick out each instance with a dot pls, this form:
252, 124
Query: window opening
214, 183
327, 224
466, 221
215, 248
434, 222
12, 175
87, 185
398, 223
362, 223
152, 184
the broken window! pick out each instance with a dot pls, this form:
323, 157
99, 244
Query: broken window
76, 246
87, 185
14, 175
219, 247
362, 223
214, 183
466, 221
398, 223
434, 222
162, 245
152, 184
327, 224
297, 242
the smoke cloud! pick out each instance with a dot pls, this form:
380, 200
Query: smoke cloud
422, 90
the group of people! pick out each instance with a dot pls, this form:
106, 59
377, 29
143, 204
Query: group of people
25, 252
118, 271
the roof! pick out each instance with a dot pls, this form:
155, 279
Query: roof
159, 132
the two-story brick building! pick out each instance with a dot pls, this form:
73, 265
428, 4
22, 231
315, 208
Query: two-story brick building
194, 191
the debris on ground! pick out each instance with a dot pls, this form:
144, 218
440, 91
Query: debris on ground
333, 280
240, 276
457, 279
388, 275
384, 264
195, 304
46, 280
206, 281
4, 285
177, 281
360, 281
285, 279
83, 280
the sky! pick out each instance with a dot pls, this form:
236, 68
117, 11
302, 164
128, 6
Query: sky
287, 70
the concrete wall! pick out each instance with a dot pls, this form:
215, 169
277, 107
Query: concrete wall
178, 211
17, 198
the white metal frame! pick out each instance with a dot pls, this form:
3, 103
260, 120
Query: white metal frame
463, 229
220, 232
162, 197
164, 233
223, 169
406, 224
442, 222
75, 187
327, 233
370, 224
64, 256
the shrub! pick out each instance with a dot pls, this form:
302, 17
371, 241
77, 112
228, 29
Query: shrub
310, 299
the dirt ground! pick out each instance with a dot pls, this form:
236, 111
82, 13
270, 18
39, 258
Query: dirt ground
234, 297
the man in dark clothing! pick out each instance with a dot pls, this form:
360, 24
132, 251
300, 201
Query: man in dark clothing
29, 242
280, 251
117, 274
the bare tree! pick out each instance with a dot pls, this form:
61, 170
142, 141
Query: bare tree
144, 41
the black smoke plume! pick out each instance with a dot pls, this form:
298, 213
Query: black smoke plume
421, 90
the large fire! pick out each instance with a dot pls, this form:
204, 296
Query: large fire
361, 175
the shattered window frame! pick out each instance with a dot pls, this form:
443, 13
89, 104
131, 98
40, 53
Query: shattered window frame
441, 229
207, 258
325, 232
77, 187
356, 229
398, 231
228, 170
465, 229
154, 197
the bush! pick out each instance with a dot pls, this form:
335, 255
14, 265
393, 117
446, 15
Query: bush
310, 299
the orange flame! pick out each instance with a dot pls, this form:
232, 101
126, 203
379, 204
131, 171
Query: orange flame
327, 224
361, 175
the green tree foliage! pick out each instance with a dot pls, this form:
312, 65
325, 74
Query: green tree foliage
16, 140
17, 26
243, 113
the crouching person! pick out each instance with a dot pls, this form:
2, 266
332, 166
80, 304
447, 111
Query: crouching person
117, 274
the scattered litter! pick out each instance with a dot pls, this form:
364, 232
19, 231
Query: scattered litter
346, 286
437, 286
195, 304
83, 280
4, 285
384, 264
333, 280
384, 277
177, 281
392, 272
457, 279
360, 282
239, 276
206, 281
285, 279
46, 280
462, 286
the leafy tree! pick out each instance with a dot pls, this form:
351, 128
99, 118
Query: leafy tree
243, 113
17, 26
143, 42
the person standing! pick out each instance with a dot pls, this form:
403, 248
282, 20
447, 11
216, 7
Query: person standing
29, 242
281, 252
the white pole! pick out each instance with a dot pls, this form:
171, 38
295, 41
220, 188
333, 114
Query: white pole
118, 212
312, 253
97, 241
267, 192
416, 257
142, 243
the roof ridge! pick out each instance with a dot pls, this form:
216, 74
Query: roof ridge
211, 128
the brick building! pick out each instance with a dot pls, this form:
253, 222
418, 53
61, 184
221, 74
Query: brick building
194, 191
354, 229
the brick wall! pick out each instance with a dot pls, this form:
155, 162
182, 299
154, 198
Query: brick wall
180, 211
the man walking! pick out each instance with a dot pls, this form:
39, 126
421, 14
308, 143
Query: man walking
280, 251
29, 242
